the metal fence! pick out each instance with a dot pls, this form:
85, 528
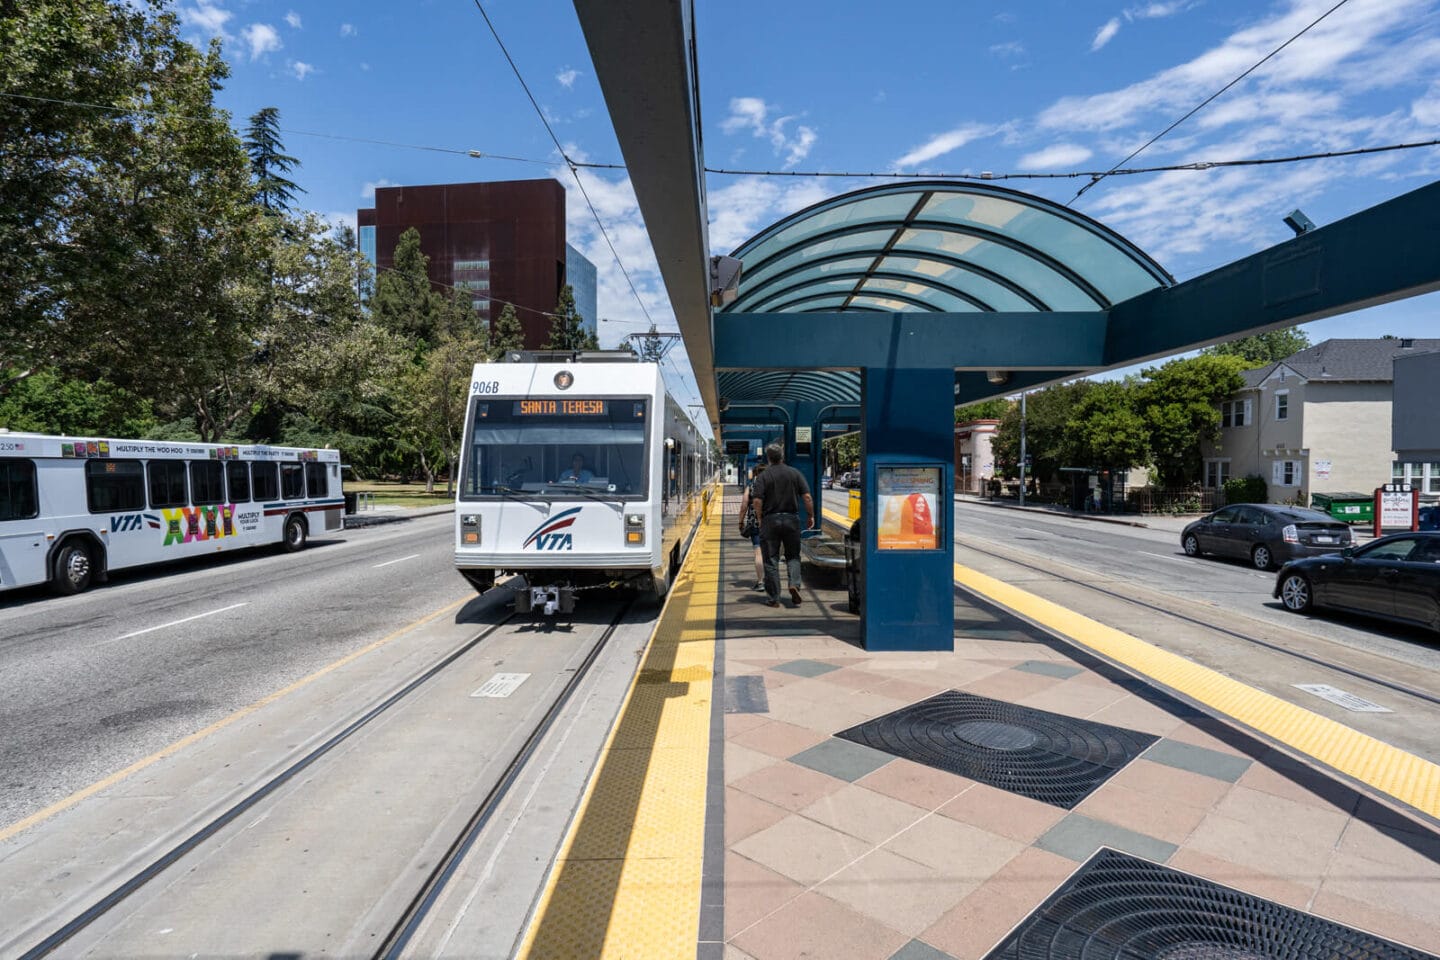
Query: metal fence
1175, 501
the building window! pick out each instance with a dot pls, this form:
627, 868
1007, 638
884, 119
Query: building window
367, 243
1424, 477
1216, 473
1282, 405
1235, 413
1285, 473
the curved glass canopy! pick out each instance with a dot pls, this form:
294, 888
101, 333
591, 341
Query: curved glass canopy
946, 246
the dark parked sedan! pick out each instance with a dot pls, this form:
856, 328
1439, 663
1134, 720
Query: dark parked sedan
1396, 577
1265, 534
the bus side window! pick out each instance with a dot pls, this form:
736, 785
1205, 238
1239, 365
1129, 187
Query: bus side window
113, 486
315, 483
292, 481
167, 483
206, 486
266, 481
237, 475
19, 498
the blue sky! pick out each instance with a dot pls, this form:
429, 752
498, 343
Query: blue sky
935, 86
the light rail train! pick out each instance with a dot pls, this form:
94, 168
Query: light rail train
74, 509
577, 472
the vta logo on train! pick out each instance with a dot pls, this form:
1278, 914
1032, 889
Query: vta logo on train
547, 536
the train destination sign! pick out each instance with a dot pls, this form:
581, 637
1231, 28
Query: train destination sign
561, 408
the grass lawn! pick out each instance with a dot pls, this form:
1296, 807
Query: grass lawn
401, 494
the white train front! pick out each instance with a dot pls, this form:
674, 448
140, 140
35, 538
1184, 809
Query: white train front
576, 474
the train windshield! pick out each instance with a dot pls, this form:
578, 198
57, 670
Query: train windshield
557, 448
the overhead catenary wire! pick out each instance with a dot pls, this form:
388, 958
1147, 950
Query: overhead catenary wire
1206, 102
574, 171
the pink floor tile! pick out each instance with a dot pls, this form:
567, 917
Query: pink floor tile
1002, 812
788, 785
813, 926
916, 784
779, 739
746, 815
982, 919
753, 892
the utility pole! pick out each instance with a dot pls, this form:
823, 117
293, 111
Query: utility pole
1022, 448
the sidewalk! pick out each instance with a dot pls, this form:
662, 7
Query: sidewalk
375, 516
1154, 521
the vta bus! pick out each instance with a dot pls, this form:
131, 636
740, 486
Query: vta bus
72, 509
576, 472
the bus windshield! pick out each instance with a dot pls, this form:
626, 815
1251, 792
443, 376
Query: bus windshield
556, 448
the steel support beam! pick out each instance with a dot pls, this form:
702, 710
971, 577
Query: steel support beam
1389, 252
643, 56
974, 341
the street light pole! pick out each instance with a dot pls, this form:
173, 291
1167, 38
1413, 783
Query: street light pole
1022, 448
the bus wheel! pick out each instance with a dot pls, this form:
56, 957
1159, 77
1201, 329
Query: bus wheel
295, 534
72, 569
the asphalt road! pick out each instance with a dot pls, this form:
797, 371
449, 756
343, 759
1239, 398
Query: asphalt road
94, 682
1152, 558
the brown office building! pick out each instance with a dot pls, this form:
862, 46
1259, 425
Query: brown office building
503, 240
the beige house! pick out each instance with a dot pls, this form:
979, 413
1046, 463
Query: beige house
974, 463
1318, 421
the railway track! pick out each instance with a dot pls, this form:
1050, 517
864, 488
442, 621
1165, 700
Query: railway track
263, 798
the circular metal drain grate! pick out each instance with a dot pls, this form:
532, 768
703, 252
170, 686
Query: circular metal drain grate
996, 735
1045, 756
1119, 907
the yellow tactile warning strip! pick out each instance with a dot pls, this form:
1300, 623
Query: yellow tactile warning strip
1404, 776
627, 881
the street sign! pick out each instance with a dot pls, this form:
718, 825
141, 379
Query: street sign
1397, 508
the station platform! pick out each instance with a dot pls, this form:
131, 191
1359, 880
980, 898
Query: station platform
1051, 787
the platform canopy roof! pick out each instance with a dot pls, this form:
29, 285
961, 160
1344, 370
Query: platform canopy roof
953, 247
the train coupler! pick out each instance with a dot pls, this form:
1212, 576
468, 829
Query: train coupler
549, 600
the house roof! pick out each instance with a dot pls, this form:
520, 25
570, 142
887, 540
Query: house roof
1351, 359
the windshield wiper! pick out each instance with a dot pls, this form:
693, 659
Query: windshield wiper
566, 490
504, 491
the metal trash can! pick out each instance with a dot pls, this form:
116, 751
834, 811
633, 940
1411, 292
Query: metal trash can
855, 565
350, 499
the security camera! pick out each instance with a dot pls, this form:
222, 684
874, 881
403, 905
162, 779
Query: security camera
724, 404
724, 280
997, 377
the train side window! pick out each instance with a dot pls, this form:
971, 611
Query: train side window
266, 481
292, 481
113, 486
167, 483
207, 487
315, 482
19, 498
237, 475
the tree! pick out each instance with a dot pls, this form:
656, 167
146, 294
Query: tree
404, 302
567, 327
1180, 404
49, 402
89, 72
269, 163
984, 410
1049, 440
1107, 430
1262, 348
507, 334
435, 390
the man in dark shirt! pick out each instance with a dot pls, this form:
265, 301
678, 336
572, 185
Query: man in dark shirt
776, 497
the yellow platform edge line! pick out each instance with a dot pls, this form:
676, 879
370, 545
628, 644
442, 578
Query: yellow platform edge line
644, 900
1410, 779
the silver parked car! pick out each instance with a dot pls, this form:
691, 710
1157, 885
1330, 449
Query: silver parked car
1266, 534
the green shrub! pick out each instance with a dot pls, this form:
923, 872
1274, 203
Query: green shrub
1251, 489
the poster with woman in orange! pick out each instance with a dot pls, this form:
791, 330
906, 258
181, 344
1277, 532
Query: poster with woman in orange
908, 497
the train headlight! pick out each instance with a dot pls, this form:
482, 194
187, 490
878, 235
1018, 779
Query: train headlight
470, 529
635, 529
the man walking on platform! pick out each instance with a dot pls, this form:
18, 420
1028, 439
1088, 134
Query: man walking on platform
776, 496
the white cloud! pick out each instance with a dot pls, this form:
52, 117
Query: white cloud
364, 66
262, 39
301, 69
1156, 11
1426, 109
567, 77
1056, 157
207, 17
367, 192
1105, 34
943, 143
753, 114
293, 19
348, 30
1007, 50
340, 218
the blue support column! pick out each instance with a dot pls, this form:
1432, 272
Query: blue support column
909, 594
804, 414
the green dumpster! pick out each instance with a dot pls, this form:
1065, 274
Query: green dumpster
1350, 507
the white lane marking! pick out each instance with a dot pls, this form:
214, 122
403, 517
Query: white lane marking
173, 623
1168, 556
400, 560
